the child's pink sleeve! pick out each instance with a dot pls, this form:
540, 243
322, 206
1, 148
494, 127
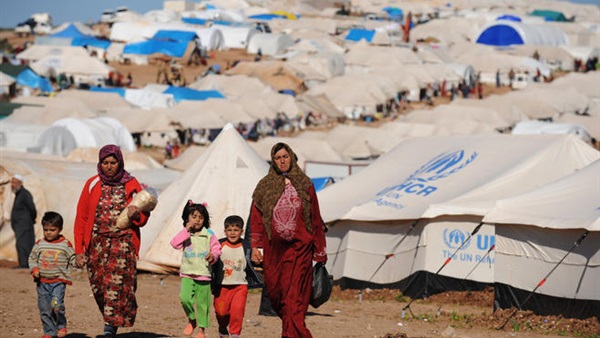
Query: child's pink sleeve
215, 248
180, 238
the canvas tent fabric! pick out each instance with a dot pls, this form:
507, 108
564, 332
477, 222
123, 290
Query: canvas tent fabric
65, 135
507, 32
55, 184
433, 192
535, 230
224, 177
269, 44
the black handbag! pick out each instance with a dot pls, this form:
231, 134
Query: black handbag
321, 286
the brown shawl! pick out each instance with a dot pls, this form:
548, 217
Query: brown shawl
269, 189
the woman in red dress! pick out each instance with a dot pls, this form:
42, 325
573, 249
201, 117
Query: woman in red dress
286, 223
110, 252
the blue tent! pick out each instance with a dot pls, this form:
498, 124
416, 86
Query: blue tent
500, 35
120, 91
80, 39
356, 34
321, 182
183, 93
509, 17
29, 78
70, 32
170, 48
174, 35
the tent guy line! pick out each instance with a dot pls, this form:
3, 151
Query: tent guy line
575, 244
407, 306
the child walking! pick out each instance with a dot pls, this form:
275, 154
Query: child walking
201, 249
233, 275
50, 262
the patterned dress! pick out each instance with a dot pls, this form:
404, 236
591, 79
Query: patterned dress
288, 271
112, 260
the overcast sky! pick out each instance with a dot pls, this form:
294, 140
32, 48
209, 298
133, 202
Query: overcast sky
13, 12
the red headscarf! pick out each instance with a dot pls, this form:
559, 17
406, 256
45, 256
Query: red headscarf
122, 176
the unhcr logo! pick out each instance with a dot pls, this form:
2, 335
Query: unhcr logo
422, 182
454, 238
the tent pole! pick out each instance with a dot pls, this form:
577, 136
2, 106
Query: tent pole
390, 255
407, 306
481, 260
576, 244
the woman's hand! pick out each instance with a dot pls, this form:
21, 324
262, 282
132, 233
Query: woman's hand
80, 260
256, 256
133, 212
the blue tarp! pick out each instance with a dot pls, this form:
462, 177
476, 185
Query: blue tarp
267, 17
394, 13
183, 93
356, 34
90, 41
170, 48
174, 35
500, 35
29, 78
321, 182
509, 17
194, 21
120, 91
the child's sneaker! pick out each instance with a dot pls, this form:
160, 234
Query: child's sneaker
189, 328
62, 332
200, 334
46, 336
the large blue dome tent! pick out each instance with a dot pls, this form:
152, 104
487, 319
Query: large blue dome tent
507, 32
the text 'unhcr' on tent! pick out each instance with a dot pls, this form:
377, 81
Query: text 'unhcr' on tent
423, 199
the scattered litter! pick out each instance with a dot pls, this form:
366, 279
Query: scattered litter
337, 311
400, 324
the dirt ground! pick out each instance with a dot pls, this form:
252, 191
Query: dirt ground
379, 315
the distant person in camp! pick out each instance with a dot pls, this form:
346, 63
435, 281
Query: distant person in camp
196, 56
50, 264
201, 250
110, 251
22, 219
285, 223
233, 275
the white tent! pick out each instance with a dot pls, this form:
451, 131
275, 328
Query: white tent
269, 44
535, 230
56, 184
224, 177
37, 52
461, 178
236, 37
67, 134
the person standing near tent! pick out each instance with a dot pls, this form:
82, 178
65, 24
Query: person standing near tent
286, 223
109, 251
201, 250
22, 219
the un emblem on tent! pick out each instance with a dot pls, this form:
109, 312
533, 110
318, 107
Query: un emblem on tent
443, 166
454, 238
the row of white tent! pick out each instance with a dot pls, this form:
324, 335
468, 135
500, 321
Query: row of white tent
419, 202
